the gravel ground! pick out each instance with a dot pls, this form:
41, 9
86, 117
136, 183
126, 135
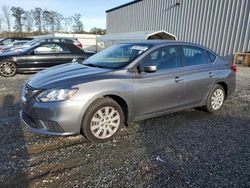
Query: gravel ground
185, 149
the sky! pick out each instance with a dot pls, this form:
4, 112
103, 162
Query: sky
92, 11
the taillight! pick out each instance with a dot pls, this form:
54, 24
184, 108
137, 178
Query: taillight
78, 44
234, 69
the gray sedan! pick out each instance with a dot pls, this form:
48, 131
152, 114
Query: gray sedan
123, 83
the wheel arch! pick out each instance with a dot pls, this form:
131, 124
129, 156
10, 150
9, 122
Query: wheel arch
117, 98
122, 102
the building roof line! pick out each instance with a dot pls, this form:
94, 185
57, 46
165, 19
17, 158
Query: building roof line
124, 5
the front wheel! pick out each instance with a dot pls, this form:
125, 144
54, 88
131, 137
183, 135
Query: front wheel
103, 120
215, 99
8, 68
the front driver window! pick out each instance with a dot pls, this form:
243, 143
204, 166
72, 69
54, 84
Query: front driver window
163, 58
50, 48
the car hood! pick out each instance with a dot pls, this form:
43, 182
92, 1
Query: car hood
66, 75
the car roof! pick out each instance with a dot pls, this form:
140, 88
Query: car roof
158, 42
162, 42
18, 38
59, 43
54, 37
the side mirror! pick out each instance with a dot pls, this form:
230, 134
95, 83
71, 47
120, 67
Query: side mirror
148, 69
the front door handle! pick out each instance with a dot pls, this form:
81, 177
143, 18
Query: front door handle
210, 74
178, 79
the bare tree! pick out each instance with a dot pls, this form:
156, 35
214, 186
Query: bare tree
52, 20
78, 25
46, 20
17, 13
28, 21
37, 16
41, 20
7, 16
67, 24
98, 31
0, 23
58, 21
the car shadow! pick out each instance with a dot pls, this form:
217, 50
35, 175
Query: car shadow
194, 148
14, 155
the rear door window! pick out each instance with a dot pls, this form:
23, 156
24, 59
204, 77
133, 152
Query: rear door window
193, 56
6, 41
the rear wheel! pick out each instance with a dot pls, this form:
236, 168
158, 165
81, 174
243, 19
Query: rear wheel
8, 68
215, 99
103, 120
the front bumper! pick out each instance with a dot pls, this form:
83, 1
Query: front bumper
57, 118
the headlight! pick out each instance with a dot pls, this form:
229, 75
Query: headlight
56, 95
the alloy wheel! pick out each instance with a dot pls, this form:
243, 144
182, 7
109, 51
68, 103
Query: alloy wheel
217, 99
7, 69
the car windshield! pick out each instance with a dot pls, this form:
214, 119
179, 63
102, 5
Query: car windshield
117, 56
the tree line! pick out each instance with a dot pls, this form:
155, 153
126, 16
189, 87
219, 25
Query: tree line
41, 21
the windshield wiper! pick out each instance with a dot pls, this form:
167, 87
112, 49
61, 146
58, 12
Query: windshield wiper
93, 65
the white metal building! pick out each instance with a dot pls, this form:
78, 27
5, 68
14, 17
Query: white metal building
221, 25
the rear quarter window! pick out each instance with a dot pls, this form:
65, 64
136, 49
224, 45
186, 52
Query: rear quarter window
211, 56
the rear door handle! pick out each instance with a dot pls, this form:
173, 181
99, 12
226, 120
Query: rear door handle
210, 74
178, 79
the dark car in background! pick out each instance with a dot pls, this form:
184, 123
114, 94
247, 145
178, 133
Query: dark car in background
125, 83
8, 40
40, 56
41, 39
15, 44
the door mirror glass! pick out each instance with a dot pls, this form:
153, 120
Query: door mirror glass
148, 69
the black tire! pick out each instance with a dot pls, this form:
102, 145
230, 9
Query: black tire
91, 112
8, 68
209, 107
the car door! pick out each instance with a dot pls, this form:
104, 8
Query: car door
46, 55
162, 90
63, 54
198, 74
43, 56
